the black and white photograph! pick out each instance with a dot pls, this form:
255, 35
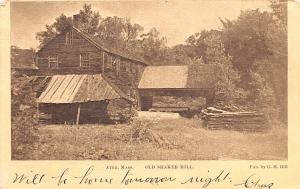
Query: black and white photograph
149, 80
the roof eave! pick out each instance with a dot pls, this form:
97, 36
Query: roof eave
104, 49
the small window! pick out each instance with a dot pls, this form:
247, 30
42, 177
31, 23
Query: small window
117, 67
84, 60
110, 62
104, 60
122, 66
128, 68
53, 61
114, 64
133, 68
69, 38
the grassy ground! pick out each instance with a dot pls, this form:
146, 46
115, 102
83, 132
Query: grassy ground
177, 139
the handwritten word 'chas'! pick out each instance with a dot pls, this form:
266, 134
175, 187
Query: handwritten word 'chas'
255, 182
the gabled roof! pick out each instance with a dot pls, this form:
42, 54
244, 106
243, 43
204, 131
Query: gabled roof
97, 43
178, 77
79, 88
164, 77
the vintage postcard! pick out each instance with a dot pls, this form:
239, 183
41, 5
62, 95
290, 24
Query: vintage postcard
150, 94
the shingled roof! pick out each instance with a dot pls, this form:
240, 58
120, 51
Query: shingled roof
79, 88
178, 77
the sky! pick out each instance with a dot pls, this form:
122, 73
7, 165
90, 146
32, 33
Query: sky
174, 19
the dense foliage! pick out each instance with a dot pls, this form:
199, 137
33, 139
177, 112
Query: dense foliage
21, 58
257, 42
24, 117
251, 52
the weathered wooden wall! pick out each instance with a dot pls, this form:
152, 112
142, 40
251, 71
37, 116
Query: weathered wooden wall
106, 111
69, 54
123, 72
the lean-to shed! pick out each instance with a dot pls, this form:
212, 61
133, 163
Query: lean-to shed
72, 97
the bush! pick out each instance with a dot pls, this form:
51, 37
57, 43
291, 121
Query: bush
23, 117
141, 131
120, 111
227, 93
262, 97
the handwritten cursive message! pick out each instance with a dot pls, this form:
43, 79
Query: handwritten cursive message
89, 176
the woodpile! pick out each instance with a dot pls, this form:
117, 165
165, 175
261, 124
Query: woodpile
238, 121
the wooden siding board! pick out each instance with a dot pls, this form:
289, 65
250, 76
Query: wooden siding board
69, 94
91, 91
66, 93
49, 87
68, 55
54, 87
59, 89
62, 93
77, 89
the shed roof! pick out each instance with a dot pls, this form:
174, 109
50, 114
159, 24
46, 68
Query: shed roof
178, 77
79, 88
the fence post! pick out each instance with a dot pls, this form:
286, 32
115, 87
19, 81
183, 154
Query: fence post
78, 114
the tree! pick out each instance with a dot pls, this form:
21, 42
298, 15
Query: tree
263, 98
119, 32
245, 39
154, 46
21, 58
277, 44
181, 54
257, 42
131, 31
227, 92
196, 47
279, 10
87, 20
208, 46
61, 24
110, 30
114, 32
45, 36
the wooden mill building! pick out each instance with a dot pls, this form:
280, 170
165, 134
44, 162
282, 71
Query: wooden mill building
76, 52
86, 78
88, 82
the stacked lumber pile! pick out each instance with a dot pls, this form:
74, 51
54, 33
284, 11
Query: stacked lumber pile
238, 121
